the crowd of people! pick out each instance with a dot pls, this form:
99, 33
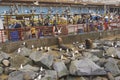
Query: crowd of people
85, 22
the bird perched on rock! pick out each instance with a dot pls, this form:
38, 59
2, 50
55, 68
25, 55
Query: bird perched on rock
21, 66
19, 50
32, 47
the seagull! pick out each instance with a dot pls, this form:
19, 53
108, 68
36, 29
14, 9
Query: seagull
73, 54
61, 57
21, 66
38, 49
81, 46
73, 49
39, 77
33, 46
45, 48
41, 48
103, 54
112, 56
19, 50
67, 50
73, 43
60, 49
76, 52
24, 43
41, 69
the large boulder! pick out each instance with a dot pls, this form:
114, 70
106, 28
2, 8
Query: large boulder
4, 55
35, 56
45, 60
118, 52
100, 78
85, 67
25, 51
61, 69
17, 60
1, 70
74, 78
97, 52
111, 51
91, 56
117, 78
17, 75
29, 68
52, 74
112, 67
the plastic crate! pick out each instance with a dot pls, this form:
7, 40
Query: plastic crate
14, 36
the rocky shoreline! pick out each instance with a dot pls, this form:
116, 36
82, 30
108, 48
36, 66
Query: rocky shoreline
101, 62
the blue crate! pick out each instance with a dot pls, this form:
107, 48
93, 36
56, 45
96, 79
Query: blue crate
14, 35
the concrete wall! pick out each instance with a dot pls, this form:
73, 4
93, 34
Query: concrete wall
12, 46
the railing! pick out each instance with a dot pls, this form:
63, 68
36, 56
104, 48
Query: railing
43, 31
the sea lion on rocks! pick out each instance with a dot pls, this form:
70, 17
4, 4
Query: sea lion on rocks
88, 43
61, 45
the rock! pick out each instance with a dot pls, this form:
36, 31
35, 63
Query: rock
25, 51
85, 67
61, 69
97, 52
29, 68
6, 63
118, 52
46, 60
112, 67
110, 76
111, 51
17, 75
1, 70
3, 55
100, 78
17, 60
35, 56
117, 78
30, 75
101, 62
75, 78
91, 56
51, 74
108, 43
